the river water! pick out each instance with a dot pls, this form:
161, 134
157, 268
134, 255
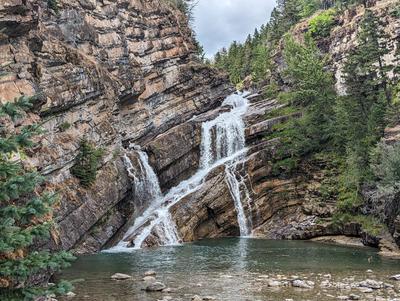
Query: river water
233, 269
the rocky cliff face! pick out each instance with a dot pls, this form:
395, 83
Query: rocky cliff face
117, 73
310, 217
122, 74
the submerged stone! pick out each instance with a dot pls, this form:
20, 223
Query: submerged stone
149, 279
150, 273
120, 276
155, 287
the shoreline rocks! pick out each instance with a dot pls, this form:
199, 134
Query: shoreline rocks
120, 276
155, 287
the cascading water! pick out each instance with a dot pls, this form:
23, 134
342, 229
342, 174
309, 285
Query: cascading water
234, 188
146, 185
224, 136
223, 142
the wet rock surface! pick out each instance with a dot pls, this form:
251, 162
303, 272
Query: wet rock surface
124, 73
117, 73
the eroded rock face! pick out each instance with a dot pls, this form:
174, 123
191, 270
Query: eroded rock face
118, 73
122, 74
210, 210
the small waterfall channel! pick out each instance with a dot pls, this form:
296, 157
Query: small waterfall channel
223, 143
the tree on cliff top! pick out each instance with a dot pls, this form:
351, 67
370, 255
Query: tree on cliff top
25, 213
312, 92
362, 113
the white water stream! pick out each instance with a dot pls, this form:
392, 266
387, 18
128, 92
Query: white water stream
223, 142
145, 181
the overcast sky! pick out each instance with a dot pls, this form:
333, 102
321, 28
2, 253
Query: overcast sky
219, 22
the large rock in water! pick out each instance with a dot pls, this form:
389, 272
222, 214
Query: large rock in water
119, 276
155, 287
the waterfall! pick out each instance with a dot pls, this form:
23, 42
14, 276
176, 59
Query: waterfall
224, 136
146, 185
223, 142
234, 188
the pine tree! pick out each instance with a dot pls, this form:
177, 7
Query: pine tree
397, 64
312, 90
261, 62
361, 113
25, 215
366, 70
87, 163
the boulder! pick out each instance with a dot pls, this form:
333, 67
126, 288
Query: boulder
150, 273
149, 279
274, 283
372, 284
70, 294
354, 297
155, 287
120, 276
303, 284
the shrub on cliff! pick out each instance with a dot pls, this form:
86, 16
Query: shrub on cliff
87, 163
320, 26
25, 214
53, 4
386, 164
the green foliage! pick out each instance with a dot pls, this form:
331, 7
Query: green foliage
116, 153
87, 163
271, 91
311, 83
395, 11
346, 4
360, 115
25, 215
185, 6
284, 166
320, 26
250, 58
64, 126
261, 62
254, 56
309, 7
386, 163
368, 223
312, 88
311, 92
53, 4
330, 162
282, 111
17, 108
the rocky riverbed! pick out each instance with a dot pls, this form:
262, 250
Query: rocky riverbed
299, 286
239, 270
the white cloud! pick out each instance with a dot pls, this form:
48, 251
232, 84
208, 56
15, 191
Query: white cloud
219, 22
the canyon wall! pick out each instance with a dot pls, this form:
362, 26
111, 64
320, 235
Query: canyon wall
124, 74
117, 73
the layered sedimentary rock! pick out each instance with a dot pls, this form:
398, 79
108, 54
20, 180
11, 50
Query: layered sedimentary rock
283, 207
116, 73
124, 74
